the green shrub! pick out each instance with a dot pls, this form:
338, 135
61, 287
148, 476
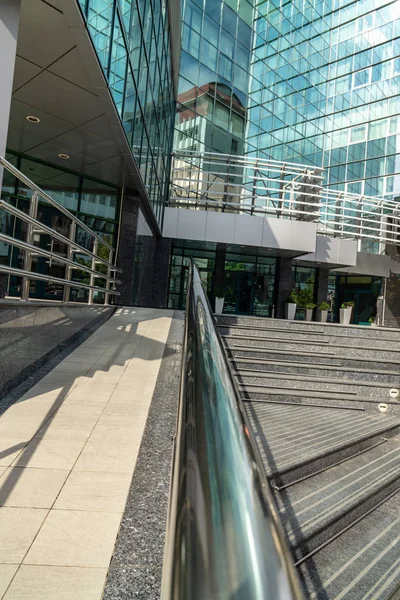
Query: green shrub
324, 306
310, 305
292, 298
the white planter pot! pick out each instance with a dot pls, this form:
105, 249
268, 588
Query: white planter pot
290, 310
219, 305
309, 312
345, 316
323, 316
373, 325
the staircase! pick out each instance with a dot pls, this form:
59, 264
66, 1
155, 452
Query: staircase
319, 400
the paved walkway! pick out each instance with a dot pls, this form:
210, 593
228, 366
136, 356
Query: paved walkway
67, 454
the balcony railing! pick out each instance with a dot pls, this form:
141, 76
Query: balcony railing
240, 184
95, 254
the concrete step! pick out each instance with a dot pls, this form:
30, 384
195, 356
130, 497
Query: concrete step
310, 326
308, 338
298, 440
361, 564
322, 349
311, 356
336, 401
386, 378
250, 380
319, 507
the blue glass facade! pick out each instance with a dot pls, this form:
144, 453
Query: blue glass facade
325, 90
217, 38
313, 82
132, 42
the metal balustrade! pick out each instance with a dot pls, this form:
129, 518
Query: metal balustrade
245, 185
36, 228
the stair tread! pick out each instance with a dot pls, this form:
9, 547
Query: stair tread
265, 362
361, 564
323, 354
299, 392
322, 343
288, 436
309, 506
297, 377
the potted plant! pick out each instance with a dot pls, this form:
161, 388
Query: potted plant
323, 311
219, 291
291, 305
371, 322
345, 312
309, 310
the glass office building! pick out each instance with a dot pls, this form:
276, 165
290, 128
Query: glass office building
313, 82
132, 44
326, 90
217, 39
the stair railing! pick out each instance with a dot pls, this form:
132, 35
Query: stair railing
35, 228
224, 538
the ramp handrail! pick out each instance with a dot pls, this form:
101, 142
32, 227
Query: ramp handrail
224, 538
35, 228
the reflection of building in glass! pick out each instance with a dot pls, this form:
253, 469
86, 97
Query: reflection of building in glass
132, 44
214, 75
328, 90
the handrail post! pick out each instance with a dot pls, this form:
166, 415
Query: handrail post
68, 268
108, 281
33, 207
93, 266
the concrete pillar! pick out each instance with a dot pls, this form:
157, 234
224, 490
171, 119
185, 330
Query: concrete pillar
321, 285
161, 273
126, 248
283, 285
9, 23
219, 274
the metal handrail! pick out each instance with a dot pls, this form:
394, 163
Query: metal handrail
53, 233
224, 538
7, 165
258, 186
6, 239
50, 279
35, 226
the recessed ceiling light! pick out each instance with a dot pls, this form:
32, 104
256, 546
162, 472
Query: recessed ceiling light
32, 119
65, 156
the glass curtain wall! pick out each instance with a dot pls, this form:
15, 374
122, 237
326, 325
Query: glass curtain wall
329, 75
217, 38
132, 42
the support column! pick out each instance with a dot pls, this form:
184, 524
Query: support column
283, 285
126, 248
219, 275
161, 272
321, 285
9, 23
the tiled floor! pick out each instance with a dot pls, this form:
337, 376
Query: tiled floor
68, 449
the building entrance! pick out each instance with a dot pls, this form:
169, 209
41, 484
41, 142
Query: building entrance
363, 291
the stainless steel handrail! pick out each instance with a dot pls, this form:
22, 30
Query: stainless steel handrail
35, 227
50, 279
53, 233
35, 250
224, 539
7, 165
